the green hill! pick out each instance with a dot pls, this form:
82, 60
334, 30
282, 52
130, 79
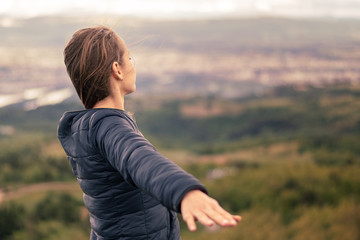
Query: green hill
287, 161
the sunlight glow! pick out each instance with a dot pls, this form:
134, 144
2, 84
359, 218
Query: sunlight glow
226, 6
263, 6
177, 8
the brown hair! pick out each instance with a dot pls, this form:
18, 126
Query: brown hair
88, 58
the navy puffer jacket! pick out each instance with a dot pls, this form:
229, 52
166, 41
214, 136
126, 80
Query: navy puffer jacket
130, 190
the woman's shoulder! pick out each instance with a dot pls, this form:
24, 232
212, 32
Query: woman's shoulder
109, 117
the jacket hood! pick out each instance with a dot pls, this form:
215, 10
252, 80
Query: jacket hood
67, 121
68, 124
73, 122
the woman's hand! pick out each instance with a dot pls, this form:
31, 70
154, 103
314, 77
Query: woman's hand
196, 205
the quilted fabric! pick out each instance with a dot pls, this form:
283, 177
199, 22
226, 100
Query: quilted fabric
130, 190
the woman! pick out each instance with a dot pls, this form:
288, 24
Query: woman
130, 190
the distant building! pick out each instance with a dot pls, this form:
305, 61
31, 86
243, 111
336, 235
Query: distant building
7, 130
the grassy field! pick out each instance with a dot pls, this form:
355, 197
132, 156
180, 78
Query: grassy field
280, 194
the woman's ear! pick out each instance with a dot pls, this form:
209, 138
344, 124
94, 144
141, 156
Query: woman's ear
116, 71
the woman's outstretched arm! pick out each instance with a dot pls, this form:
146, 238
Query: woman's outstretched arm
196, 205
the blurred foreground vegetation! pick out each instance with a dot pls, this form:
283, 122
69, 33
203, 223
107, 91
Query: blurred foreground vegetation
287, 161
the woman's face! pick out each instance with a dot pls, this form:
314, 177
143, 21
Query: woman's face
127, 67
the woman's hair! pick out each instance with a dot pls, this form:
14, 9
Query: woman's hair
88, 58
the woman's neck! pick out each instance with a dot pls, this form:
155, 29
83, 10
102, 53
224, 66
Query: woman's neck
111, 102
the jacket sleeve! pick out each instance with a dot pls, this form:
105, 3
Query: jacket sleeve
141, 165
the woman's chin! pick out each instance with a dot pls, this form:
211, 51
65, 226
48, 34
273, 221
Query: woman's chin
131, 91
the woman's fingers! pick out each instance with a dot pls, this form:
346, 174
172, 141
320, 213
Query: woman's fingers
209, 219
230, 220
237, 218
190, 221
217, 218
199, 216
198, 206
222, 218
204, 219
191, 224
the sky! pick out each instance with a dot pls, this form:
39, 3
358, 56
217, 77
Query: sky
183, 8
